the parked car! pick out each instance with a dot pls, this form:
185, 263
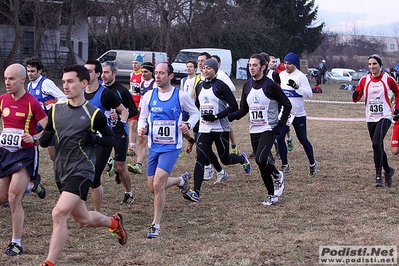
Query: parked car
345, 72
123, 59
184, 55
358, 75
335, 77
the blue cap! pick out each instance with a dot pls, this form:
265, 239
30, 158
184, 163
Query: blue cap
292, 58
138, 58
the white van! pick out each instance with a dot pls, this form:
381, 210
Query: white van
345, 72
123, 59
179, 63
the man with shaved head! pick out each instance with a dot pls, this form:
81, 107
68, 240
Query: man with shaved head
20, 112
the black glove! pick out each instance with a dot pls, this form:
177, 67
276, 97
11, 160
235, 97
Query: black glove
209, 117
90, 138
396, 115
277, 129
355, 95
45, 139
292, 83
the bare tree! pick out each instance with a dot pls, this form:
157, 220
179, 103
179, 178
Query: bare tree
11, 12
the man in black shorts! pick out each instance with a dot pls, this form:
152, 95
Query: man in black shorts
107, 101
110, 69
75, 156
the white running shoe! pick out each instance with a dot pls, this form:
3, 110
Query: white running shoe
221, 178
209, 171
270, 200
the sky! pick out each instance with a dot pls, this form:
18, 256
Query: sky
366, 17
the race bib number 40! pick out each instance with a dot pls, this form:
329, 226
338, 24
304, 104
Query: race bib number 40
11, 139
164, 131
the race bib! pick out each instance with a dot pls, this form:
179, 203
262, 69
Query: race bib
11, 139
376, 109
257, 114
207, 109
164, 131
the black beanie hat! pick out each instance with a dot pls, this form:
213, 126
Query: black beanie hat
149, 66
377, 58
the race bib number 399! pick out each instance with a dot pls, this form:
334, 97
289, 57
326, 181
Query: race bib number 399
11, 139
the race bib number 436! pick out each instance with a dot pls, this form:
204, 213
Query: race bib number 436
11, 139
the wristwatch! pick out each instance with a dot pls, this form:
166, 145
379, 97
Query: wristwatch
188, 125
34, 139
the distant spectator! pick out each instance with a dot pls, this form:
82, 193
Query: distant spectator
322, 69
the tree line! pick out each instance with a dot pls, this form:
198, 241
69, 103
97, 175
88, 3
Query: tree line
243, 26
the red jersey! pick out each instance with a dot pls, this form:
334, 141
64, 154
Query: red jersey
135, 80
23, 114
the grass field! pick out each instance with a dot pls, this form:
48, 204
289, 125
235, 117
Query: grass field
230, 226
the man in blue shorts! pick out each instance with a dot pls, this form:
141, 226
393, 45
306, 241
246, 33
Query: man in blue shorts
161, 117
74, 163
20, 112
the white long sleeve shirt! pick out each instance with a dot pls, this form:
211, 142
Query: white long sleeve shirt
297, 97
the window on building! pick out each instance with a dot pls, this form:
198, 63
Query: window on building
392, 46
27, 43
80, 49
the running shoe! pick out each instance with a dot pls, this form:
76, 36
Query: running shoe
221, 178
186, 186
39, 189
208, 172
388, 177
313, 170
379, 182
13, 249
286, 168
192, 196
135, 169
279, 184
290, 144
246, 165
127, 199
130, 152
182, 153
234, 150
270, 200
119, 232
111, 166
153, 232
